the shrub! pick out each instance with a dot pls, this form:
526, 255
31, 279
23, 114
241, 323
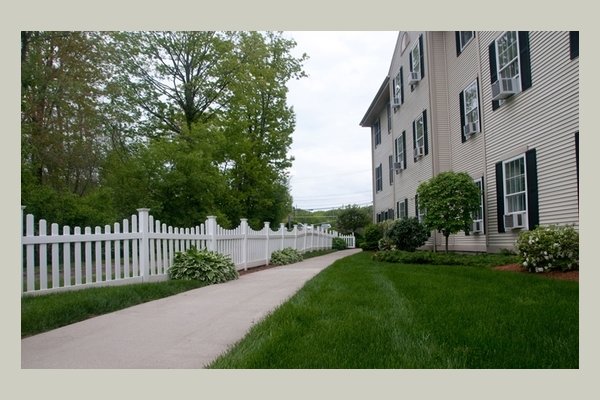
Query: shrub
428, 257
405, 234
285, 256
373, 233
203, 265
338, 244
549, 248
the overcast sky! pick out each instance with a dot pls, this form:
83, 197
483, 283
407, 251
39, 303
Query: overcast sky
332, 164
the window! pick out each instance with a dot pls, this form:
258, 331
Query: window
574, 44
391, 161
419, 214
469, 110
377, 132
478, 225
400, 149
420, 144
402, 209
398, 89
416, 63
517, 191
510, 66
463, 38
389, 118
378, 179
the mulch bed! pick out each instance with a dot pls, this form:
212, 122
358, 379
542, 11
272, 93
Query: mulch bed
256, 269
567, 275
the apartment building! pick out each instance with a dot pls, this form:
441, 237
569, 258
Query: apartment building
501, 106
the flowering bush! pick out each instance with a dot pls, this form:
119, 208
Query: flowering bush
549, 248
285, 256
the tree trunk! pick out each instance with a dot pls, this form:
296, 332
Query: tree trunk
446, 236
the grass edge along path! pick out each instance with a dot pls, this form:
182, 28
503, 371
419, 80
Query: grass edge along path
360, 313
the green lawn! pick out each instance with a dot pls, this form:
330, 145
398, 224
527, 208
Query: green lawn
361, 313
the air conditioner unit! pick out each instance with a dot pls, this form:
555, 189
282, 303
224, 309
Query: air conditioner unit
477, 226
504, 88
398, 166
470, 128
414, 78
396, 102
419, 151
515, 221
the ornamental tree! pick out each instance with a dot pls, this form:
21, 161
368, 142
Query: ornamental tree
449, 201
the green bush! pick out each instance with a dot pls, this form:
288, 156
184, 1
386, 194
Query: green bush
428, 257
338, 244
285, 256
202, 265
405, 234
549, 248
373, 233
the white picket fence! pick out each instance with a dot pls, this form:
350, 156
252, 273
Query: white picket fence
142, 250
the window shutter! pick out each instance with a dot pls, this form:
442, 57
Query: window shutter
422, 56
525, 60
417, 206
577, 161
574, 44
457, 37
493, 71
410, 61
425, 141
414, 141
406, 207
401, 86
533, 211
461, 100
404, 147
500, 196
483, 204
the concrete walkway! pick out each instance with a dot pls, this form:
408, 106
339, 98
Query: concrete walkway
187, 330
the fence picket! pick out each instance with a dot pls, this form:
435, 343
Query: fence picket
66, 258
77, 232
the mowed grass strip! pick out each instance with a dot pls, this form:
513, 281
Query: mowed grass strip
361, 313
45, 312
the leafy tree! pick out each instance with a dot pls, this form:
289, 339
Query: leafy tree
449, 201
405, 234
352, 218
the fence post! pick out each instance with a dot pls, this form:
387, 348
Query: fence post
244, 226
267, 229
143, 214
21, 248
211, 228
282, 230
295, 236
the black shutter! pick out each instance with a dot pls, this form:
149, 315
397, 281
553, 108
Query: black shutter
574, 44
414, 142
404, 148
461, 100
533, 211
483, 204
422, 56
457, 37
401, 86
425, 141
406, 208
500, 196
577, 161
525, 60
493, 71
417, 206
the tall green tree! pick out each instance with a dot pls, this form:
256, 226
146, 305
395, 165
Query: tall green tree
352, 218
449, 200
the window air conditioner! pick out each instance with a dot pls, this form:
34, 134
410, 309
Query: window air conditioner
413, 78
477, 226
470, 128
515, 221
419, 151
396, 102
398, 166
504, 87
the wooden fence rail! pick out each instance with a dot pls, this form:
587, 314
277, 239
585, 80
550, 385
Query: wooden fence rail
141, 249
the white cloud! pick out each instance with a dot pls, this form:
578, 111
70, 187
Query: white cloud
332, 164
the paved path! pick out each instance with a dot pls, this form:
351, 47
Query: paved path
187, 330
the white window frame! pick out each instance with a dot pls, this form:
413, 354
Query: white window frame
501, 67
399, 150
479, 213
420, 139
506, 185
377, 132
401, 210
472, 114
378, 179
460, 36
396, 88
391, 167
389, 118
416, 61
